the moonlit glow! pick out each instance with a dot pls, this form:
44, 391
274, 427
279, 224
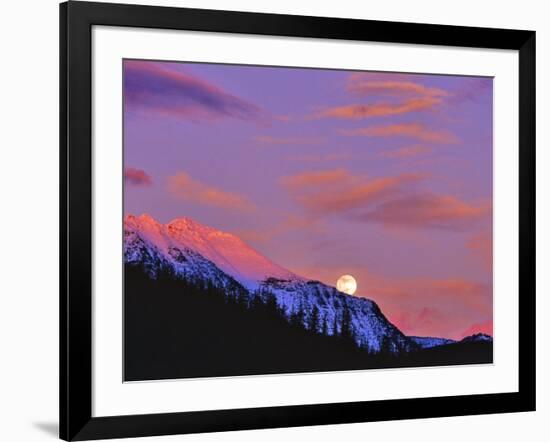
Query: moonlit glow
346, 284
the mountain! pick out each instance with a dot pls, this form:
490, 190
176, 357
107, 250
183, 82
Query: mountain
226, 251
337, 311
478, 337
429, 342
426, 342
202, 254
149, 245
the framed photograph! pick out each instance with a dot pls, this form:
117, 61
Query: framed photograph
272, 220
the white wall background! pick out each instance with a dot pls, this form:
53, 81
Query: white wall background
29, 218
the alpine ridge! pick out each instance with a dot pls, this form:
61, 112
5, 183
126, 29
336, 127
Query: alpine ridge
198, 253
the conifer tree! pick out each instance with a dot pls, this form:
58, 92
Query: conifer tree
297, 317
313, 324
346, 331
324, 329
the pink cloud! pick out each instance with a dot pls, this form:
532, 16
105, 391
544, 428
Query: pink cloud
186, 188
406, 85
427, 210
406, 152
315, 178
136, 177
338, 191
393, 201
405, 92
408, 130
391, 87
360, 111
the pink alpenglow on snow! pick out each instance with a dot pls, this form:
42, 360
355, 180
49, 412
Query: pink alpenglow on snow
226, 251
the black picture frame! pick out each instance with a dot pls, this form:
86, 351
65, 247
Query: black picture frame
76, 21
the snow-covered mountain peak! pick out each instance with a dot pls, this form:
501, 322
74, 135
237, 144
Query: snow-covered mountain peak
186, 223
144, 219
477, 337
225, 250
190, 250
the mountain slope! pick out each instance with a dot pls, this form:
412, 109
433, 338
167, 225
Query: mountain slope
478, 337
195, 252
429, 342
228, 252
149, 248
337, 311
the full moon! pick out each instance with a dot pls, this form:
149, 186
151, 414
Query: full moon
346, 284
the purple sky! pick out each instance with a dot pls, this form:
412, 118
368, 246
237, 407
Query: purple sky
384, 176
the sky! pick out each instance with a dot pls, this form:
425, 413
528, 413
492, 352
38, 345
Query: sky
384, 176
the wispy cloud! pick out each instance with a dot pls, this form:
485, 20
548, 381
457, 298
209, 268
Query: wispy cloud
158, 88
338, 191
406, 152
427, 210
136, 177
186, 188
360, 111
386, 95
389, 86
315, 178
399, 85
408, 130
393, 201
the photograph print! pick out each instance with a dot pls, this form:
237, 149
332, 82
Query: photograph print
294, 220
